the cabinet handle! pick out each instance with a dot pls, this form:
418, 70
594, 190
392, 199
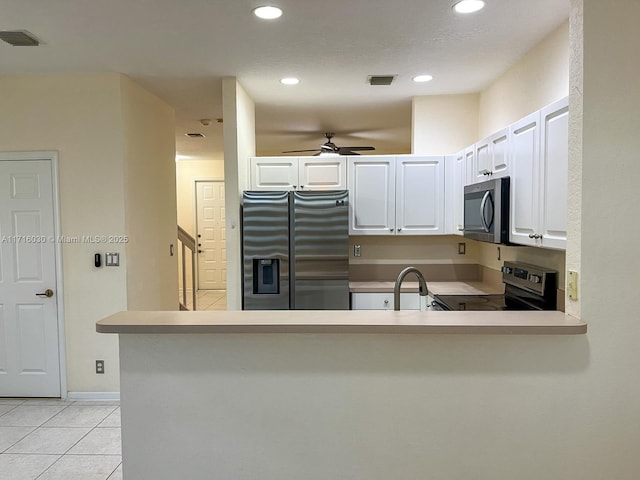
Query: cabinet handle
391, 229
295, 186
301, 187
399, 229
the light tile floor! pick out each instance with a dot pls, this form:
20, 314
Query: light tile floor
50, 439
208, 300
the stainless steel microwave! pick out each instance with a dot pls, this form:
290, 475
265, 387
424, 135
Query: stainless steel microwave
486, 211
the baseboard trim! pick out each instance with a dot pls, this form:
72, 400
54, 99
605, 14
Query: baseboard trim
93, 396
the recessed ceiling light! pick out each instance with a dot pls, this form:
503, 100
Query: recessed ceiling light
468, 6
267, 12
289, 81
422, 78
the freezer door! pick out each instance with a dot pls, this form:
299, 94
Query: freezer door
320, 250
265, 248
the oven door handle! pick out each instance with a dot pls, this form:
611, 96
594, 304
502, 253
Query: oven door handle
483, 205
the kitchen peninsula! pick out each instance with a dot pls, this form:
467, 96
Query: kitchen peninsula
325, 394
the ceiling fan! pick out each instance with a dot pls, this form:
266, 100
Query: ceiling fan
330, 147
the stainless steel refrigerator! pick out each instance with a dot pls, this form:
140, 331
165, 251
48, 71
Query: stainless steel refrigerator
295, 250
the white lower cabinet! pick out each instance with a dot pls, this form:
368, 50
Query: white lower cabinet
401, 195
384, 301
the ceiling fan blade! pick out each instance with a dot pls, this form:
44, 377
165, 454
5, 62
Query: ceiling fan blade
348, 152
300, 151
326, 147
359, 148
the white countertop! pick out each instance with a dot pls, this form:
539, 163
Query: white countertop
343, 321
435, 288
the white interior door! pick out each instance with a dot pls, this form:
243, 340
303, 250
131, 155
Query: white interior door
29, 349
212, 252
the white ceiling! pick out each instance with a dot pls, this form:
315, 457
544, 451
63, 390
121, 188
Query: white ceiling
180, 50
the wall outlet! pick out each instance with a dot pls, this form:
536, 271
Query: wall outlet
572, 285
100, 367
462, 248
356, 251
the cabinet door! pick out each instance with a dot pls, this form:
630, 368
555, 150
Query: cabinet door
372, 193
484, 164
469, 165
419, 195
384, 301
453, 193
274, 173
499, 146
554, 159
525, 147
317, 173
458, 193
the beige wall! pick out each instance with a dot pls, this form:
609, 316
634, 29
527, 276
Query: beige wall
239, 145
412, 249
448, 123
80, 117
148, 128
539, 78
443, 124
83, 117
187, 172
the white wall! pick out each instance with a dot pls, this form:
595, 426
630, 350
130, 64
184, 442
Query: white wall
443, 124
239, 145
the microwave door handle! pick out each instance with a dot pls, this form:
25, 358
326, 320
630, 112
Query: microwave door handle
483, 205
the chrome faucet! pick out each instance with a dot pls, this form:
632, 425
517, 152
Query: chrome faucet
401, 275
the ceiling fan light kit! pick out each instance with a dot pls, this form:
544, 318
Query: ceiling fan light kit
331, 149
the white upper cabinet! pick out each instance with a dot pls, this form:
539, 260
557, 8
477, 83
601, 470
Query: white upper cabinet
401, 195
469, 165
293, 173
318, 173
274, 173
460, 175
419, 195
554, 152
456, 178
372, 193
492, 156
539, 162
525, 154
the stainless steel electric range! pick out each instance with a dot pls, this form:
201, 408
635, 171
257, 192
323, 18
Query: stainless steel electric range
527, 287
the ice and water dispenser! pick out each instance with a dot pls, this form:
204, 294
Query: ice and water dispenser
266, 276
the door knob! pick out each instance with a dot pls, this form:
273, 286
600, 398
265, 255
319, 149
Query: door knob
199, 251
47, 293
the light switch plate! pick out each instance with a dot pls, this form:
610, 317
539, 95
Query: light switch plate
572, 285
112, 259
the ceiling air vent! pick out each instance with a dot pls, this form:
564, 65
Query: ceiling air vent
19, 38
380, 79
195, 135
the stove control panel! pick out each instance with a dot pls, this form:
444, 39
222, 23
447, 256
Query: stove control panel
535, 279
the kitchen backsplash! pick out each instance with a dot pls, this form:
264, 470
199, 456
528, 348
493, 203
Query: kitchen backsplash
443, 250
